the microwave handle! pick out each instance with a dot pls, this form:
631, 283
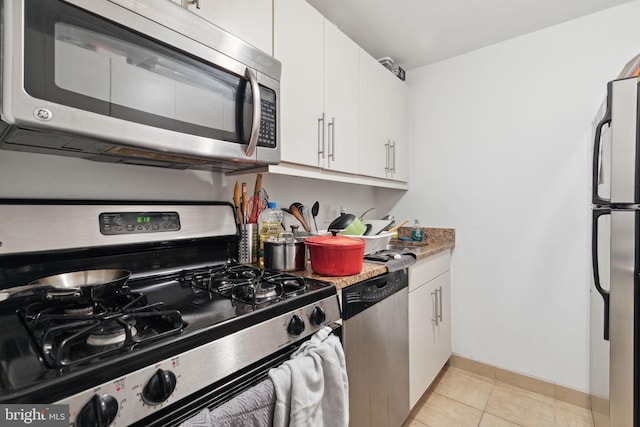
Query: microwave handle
257, 111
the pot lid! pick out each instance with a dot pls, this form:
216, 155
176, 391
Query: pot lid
284, 240
342, 222
335, 241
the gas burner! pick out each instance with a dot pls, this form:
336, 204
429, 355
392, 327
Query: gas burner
256, 293
220, 279
245, 284
265, 291
78, 332
111, 332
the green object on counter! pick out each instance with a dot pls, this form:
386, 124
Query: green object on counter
416, 233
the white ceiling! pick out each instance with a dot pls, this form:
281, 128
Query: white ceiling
420, 32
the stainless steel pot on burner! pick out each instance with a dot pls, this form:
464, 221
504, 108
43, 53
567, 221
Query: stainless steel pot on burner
285, 253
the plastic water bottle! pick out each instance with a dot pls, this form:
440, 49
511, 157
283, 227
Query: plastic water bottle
270, 225
416, 232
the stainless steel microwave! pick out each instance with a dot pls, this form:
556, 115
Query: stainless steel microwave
135, 81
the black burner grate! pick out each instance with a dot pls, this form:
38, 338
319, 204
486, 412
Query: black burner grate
245, 284
69, 332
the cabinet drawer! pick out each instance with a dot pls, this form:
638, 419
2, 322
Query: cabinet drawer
428, 269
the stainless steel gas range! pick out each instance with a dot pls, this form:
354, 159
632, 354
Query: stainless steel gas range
189, 329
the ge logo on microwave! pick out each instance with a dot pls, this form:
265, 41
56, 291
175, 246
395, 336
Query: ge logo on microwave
43, 114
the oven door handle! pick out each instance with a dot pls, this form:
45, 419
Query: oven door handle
257, 111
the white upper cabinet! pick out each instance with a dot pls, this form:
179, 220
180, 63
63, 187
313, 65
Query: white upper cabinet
318, 92
299, 44
249, 20
341, 67
384, 122
399, 129
373, 123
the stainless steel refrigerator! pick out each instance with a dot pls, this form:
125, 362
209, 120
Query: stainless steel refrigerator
615, 308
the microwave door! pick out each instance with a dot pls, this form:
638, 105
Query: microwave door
123, 83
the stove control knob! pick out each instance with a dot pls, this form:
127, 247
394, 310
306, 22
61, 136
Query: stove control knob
100, 411
159, 387
317, 316
296, 325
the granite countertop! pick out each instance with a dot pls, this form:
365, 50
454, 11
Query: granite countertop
435, 240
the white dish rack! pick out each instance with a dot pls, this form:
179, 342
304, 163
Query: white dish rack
377, 242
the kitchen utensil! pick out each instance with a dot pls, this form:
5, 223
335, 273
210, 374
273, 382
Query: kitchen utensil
248, 248
236, 202
348, 224
314, 213
376, 226
306, 215
254, 209
94, 283
285, 254
395, 228
296, 212
335, 255
245, 203
258, 185
366, 212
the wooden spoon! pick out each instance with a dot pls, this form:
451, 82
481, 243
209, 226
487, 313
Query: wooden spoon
296, 212
236, 202
391, 230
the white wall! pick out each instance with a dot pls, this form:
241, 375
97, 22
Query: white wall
501, 150
285, 190
28, 175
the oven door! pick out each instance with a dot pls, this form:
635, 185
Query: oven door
98, 69
225, 390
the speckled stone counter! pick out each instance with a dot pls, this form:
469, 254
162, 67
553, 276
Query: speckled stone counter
435, 240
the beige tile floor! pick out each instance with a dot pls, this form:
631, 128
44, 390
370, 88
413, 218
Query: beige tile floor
460, 398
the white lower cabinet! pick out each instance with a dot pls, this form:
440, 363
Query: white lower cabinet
429, 321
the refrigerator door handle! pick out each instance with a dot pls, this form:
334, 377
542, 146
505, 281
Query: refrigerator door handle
597, 151
597, 213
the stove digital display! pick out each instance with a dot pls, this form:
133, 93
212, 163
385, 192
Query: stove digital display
138, 222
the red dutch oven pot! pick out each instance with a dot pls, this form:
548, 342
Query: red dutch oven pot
335, 255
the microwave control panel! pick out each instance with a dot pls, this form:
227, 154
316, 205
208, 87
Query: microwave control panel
138, 222
267, 137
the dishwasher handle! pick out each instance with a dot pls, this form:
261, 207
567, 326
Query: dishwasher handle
362, 295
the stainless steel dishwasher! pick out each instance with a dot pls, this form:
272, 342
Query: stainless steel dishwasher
376, 345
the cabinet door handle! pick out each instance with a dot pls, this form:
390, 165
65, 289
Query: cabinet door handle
435, 307
321, 135
332, 136
386, 147
186, 3
439, 298
393, 151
